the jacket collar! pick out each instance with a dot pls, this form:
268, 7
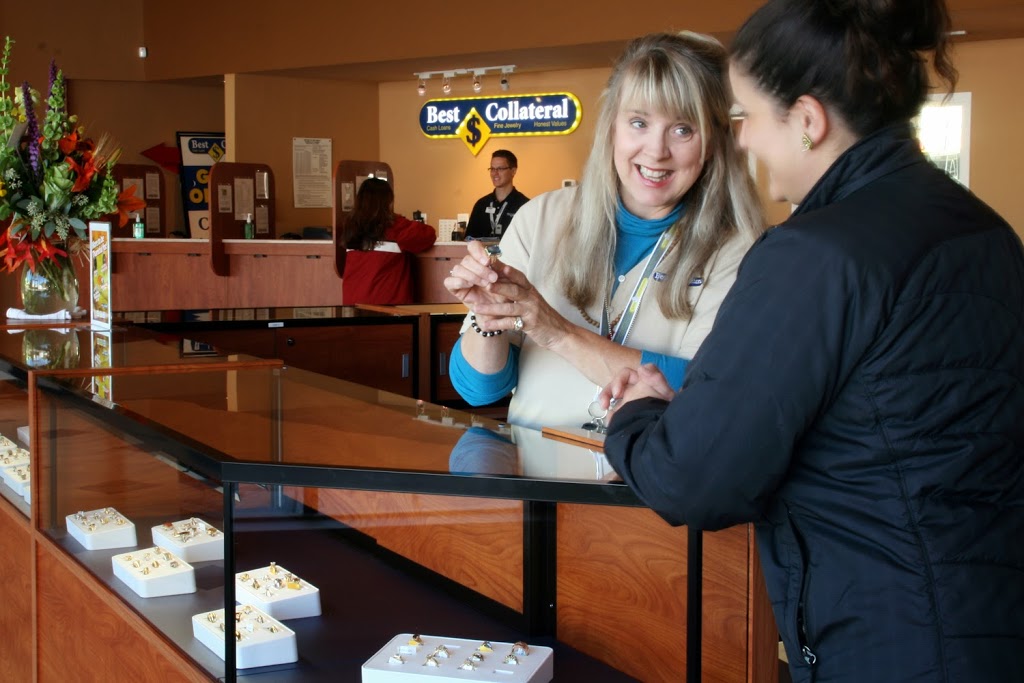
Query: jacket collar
874, 156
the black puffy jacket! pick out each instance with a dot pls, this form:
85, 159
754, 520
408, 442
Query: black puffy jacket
861, 398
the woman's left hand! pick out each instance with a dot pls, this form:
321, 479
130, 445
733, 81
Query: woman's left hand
524, 303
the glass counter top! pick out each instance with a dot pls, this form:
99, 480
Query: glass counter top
76, 347
202, 317
289, 426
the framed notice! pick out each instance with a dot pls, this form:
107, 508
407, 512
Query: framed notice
102, 357
99, 274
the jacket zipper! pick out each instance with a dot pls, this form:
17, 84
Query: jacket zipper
801, 620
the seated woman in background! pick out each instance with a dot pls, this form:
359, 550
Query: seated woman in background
629, 267
378, 268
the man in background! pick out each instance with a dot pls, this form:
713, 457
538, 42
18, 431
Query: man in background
493, 212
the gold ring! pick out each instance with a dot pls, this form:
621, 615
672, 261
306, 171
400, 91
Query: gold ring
520, 648
431, 661
518, 324
442, 652
510, 659
468, 665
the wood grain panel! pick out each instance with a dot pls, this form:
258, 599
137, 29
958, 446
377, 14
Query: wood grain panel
727, 557
763, 635
269, 279
15, 595
430, 268
627, 566
87, 634
152, 281
619, 566
476, 542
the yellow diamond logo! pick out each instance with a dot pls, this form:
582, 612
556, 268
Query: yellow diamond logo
474, 131
216, 151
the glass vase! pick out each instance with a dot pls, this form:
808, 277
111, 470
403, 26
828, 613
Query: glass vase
51, 349
51, 288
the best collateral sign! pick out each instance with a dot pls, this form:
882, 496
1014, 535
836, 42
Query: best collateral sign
477, 119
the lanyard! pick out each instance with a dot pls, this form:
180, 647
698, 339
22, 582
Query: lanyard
496, 220
625, 324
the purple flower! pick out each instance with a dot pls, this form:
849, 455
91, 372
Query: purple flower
53, 76
32, 131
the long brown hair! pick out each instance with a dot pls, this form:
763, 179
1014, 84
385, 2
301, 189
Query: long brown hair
682, 75
372, 215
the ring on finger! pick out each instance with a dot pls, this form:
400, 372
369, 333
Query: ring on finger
518, 324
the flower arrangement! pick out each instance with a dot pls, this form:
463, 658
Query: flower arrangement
52, 178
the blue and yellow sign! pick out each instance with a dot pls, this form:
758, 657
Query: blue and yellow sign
477, 119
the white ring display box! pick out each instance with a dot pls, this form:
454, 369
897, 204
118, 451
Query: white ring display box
408, 658
193, 540
12, 456
14, 468
19, 478
154, 572
260, 640
101, 529
278, 592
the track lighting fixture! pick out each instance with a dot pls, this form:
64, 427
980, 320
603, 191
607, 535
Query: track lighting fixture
448, 76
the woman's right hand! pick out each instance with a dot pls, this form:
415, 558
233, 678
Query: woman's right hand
469, 279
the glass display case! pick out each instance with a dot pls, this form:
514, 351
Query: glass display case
77, 350
401, 516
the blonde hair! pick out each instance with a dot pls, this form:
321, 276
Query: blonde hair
683, 76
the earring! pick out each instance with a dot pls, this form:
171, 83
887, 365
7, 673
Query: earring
806, 143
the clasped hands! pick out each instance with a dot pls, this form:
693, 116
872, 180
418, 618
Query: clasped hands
502, 298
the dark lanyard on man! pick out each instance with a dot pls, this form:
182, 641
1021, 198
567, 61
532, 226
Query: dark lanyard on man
496, 220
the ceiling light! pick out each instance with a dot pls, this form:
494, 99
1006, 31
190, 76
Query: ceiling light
477, 85
446, 86
421, 89
504, 83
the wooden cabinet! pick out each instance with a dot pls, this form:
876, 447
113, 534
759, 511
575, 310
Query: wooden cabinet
376, 355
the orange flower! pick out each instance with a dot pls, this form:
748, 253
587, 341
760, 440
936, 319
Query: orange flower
17, 250
83, 172
128, 203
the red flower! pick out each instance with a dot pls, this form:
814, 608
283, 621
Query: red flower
84, 171
128, 203
16, 250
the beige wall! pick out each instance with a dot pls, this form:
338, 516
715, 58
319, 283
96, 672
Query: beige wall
140, 115
990, 71
265, 113
443, 178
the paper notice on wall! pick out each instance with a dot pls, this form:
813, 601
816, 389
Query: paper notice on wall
245, 198
311, 173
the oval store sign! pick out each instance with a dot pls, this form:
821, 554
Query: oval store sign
477, 119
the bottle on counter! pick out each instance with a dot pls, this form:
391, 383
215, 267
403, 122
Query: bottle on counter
250, 229
138, 228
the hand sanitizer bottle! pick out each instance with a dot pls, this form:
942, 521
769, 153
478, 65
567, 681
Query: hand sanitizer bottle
138, 228
250, 229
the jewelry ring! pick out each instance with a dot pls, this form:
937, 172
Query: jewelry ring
451, 272
518, 325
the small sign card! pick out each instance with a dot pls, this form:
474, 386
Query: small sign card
99, 274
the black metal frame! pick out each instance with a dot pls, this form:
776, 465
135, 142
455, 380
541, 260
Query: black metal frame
540, 498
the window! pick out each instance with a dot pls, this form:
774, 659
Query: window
944, 129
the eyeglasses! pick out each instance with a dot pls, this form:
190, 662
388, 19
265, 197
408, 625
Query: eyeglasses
498, 170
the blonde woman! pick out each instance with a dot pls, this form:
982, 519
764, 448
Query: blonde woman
629, 267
